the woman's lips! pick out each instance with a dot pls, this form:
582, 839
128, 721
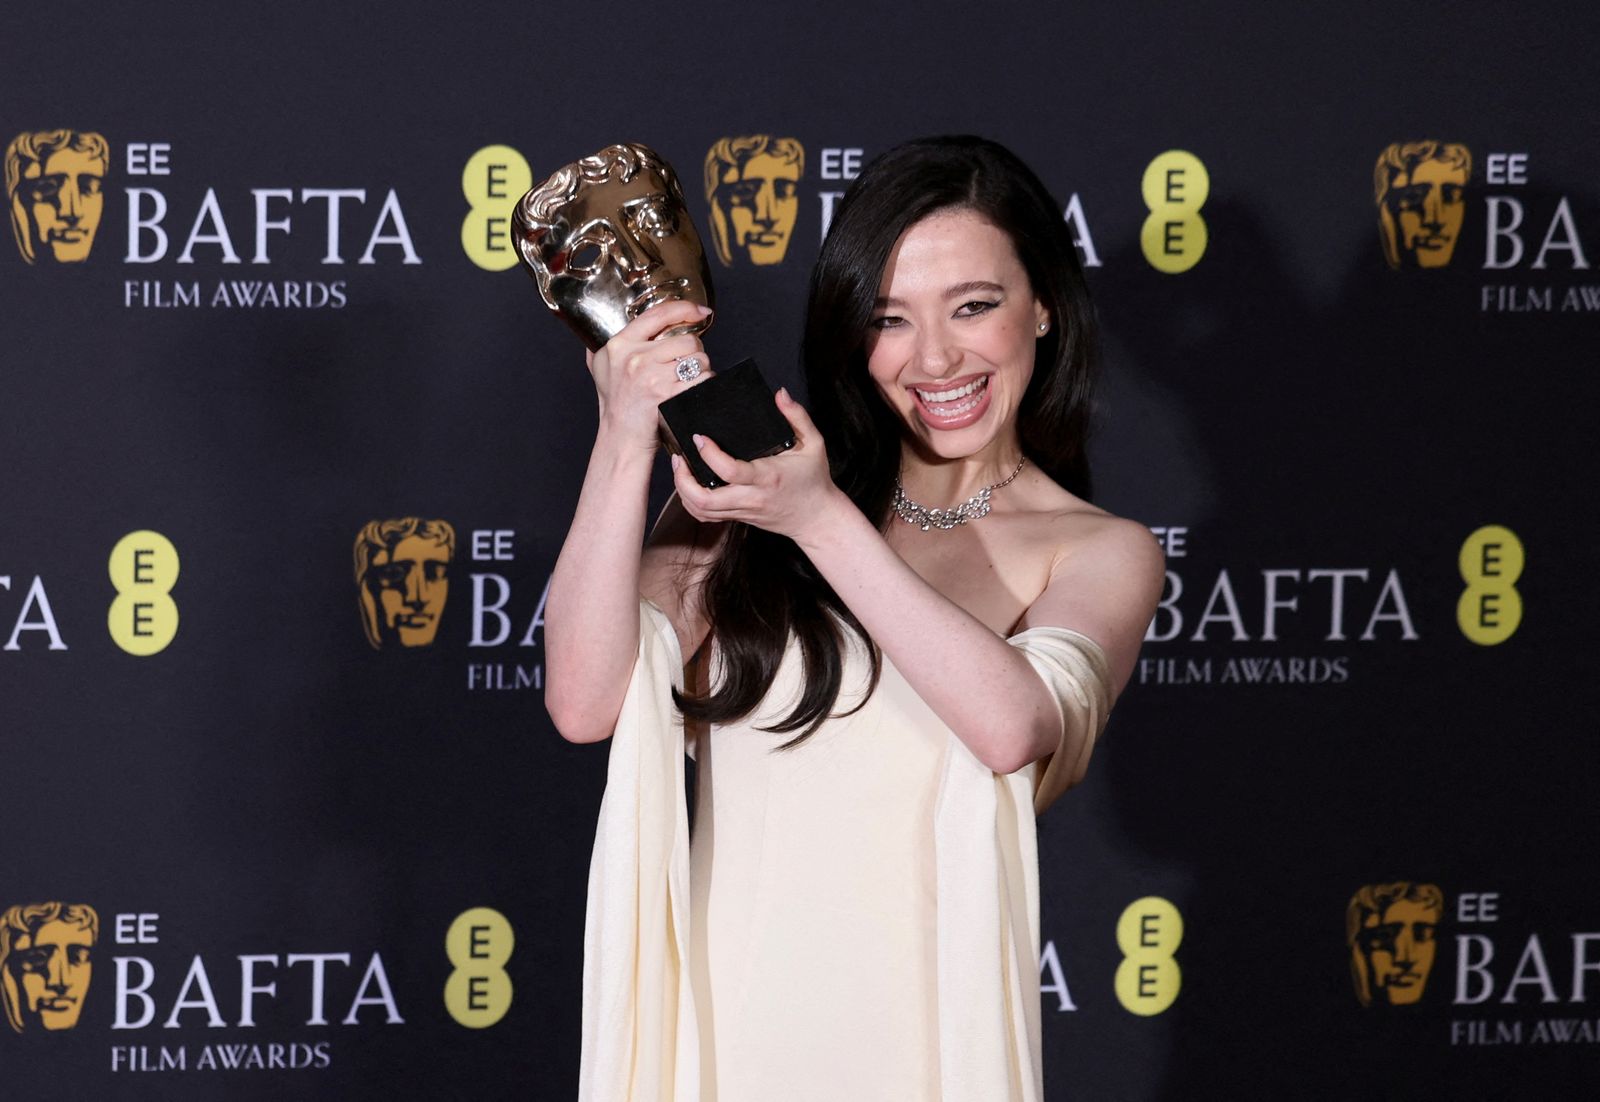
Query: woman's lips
956, 413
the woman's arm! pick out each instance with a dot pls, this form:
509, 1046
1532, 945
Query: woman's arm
980, 686
592, 616
591, 626
977, 683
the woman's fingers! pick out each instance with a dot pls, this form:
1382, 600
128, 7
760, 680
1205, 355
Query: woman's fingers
780, 493
796, 415
669, 350
661, 317
701, 502
656, 363
735, 472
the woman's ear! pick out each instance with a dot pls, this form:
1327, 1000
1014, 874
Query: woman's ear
1041, 318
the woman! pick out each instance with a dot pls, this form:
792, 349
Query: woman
883, 684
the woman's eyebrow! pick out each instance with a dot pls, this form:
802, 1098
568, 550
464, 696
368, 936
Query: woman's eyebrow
953, 291
972, 285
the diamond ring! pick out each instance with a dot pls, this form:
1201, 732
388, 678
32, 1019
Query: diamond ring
688, 368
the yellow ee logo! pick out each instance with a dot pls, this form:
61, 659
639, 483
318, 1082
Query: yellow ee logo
1175, 187
143, 567
1490, 608
1148, 934
478, 943
496, 176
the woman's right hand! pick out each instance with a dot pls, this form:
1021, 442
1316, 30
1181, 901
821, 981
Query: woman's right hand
637, 370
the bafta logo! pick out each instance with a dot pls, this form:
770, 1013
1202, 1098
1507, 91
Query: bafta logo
752, 184
403, 579
1421, 194
53, 183
1391, 931
45, 951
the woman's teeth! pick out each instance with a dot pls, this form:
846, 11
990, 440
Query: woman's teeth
951, 395
936, 400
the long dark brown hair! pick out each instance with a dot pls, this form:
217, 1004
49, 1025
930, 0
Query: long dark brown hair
761, 589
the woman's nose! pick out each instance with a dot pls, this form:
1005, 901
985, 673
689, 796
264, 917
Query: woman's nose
936, 355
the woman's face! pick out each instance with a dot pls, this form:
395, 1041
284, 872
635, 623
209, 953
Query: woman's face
952, 336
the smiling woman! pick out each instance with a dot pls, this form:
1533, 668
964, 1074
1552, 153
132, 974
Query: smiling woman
926, 330
878, 710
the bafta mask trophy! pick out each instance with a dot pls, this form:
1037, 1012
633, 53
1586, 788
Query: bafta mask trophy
609, 236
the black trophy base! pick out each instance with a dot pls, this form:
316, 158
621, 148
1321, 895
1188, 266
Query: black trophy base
734, 408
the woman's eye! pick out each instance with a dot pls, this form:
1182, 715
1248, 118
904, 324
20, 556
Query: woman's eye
887, 322
970, 309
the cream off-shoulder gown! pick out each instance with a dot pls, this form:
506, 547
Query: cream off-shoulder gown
856, 918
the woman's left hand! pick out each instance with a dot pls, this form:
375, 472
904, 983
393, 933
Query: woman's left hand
787, 493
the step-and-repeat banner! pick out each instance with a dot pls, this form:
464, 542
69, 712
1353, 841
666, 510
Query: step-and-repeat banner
288, 446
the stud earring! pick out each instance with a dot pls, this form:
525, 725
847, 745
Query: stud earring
1044, 327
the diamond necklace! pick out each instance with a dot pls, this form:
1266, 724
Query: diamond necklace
975, 507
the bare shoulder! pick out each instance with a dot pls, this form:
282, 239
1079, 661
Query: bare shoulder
673, 567
1106, 572
1074, 532
1093, 536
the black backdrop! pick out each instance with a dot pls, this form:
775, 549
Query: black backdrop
268, 784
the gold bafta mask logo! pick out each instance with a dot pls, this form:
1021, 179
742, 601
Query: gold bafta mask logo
53, 183
753, 186
45, 963
403, 578
1392, 930
1421, 194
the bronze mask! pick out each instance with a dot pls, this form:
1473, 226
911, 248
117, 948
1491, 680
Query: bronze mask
609, 236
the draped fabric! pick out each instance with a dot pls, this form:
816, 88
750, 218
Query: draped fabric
986, 851
640, 1028
640, 1038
